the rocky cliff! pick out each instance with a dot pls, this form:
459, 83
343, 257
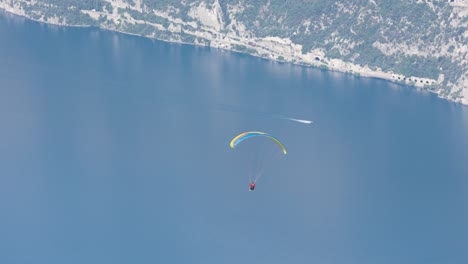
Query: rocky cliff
415, 42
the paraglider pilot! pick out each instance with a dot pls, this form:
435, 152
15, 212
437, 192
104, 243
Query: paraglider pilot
251, 186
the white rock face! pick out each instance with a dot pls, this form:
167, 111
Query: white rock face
209, 16
118, 3
138, 5
12, 7
465, 97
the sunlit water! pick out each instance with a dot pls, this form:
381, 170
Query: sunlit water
115, 149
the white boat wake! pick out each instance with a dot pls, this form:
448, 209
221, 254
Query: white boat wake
234, 109
298, 120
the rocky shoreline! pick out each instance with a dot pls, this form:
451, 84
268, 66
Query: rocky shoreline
210, 31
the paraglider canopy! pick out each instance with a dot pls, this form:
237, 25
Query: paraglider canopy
243, 136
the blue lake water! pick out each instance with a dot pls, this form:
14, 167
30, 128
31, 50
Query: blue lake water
115, 149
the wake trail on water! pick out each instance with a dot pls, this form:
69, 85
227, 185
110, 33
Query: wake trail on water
234, 109
238, 110
298, 120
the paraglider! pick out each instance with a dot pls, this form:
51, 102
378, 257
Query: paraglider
264, 154
243, 136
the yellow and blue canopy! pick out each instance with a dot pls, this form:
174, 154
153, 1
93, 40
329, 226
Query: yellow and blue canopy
243, 136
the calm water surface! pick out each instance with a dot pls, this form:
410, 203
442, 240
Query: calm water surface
114, 149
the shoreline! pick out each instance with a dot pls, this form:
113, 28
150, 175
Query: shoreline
315, 59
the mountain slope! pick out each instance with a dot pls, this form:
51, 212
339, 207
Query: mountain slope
415, 42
